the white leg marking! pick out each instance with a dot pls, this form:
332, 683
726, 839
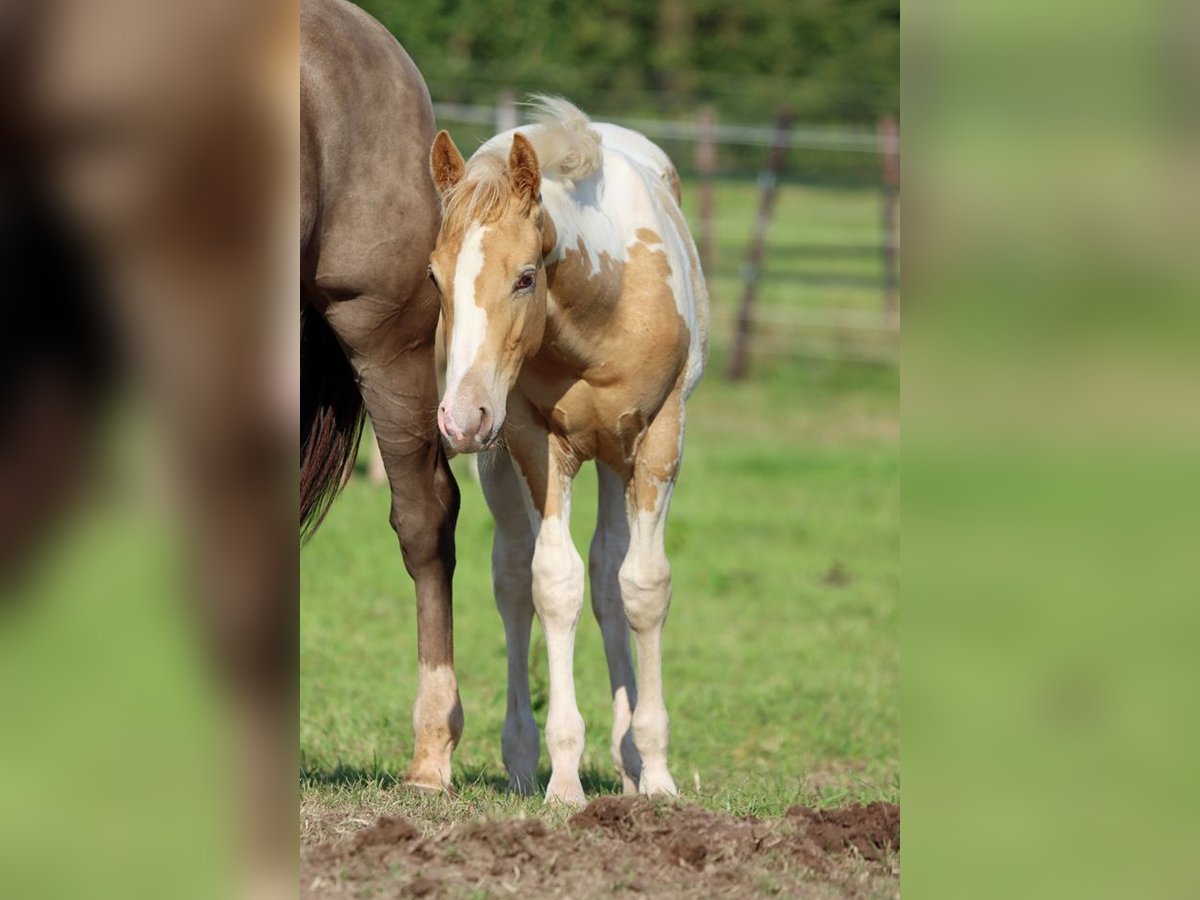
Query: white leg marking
558, 599
645, 580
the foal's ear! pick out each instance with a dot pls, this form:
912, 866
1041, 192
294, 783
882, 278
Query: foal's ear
523, 171
445, 162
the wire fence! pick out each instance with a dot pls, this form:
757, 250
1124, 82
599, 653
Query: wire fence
802, 138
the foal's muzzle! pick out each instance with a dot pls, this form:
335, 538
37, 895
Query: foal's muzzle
468, 427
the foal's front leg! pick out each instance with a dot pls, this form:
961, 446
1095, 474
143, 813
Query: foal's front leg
645, 581
558, 600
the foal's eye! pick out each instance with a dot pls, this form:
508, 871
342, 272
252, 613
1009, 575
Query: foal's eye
524, 283
433, 278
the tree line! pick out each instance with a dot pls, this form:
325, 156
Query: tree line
829, 61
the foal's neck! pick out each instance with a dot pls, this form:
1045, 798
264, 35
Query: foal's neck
584, 288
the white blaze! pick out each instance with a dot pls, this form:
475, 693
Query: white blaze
470, 320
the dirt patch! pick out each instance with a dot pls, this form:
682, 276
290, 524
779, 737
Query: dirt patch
620, 845
872, 830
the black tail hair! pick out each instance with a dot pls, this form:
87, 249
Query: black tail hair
331, 419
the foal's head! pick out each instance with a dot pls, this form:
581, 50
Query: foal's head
488, 266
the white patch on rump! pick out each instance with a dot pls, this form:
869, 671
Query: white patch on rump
470, 319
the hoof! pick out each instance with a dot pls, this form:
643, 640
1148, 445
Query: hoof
524, 785
425, 784
657, 784
565, 790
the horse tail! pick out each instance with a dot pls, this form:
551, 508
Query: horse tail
566, 144
331, 419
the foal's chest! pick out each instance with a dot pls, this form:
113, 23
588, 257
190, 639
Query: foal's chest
595, 420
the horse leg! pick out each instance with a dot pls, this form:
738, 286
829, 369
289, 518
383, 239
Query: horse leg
610, 543
512, 560
424, 511
558, 599
557, 583
645, 580
399, 389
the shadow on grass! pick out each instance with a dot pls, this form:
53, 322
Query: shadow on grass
595, 781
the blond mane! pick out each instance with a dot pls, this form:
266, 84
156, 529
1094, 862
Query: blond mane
567, 147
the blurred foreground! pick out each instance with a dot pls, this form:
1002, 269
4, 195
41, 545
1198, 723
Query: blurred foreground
1052, 436
1051, 442
149, 396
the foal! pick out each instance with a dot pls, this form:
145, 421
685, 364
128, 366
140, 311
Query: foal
576, 323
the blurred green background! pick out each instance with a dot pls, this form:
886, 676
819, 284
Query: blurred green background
833, 62
1051, 438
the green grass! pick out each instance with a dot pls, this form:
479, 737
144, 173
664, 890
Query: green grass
781, 651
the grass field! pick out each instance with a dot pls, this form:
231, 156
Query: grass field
782, 648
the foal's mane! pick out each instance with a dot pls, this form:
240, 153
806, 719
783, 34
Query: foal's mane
568, 150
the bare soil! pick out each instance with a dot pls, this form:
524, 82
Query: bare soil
626, 846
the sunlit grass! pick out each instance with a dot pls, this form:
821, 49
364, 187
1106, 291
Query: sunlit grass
782, 649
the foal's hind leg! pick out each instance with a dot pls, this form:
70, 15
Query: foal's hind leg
645, 580
610, 544
512, 581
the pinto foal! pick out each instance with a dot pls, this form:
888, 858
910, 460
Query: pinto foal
576, 324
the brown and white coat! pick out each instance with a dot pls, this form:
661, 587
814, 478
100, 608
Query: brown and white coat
576, 323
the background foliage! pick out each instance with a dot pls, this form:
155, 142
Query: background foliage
834, 62
831, 60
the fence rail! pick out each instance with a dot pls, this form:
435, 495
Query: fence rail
807, 137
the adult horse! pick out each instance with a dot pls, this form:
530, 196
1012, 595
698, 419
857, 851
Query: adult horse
369, 218
576, 317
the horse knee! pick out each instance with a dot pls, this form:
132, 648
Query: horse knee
557, 583
646, 591
424, 523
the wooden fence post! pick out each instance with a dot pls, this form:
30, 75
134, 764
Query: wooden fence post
889, 159
706, 168
752, 270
